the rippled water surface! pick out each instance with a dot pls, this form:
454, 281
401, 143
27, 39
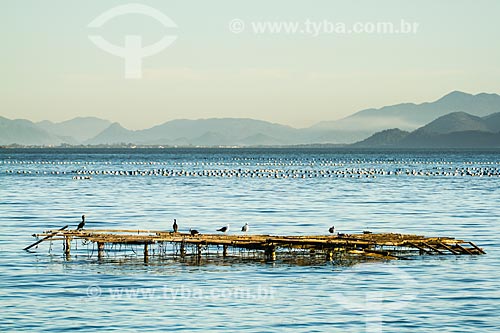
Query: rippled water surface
294, 192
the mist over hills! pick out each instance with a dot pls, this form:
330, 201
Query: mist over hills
411, 125
409, 116
454, 130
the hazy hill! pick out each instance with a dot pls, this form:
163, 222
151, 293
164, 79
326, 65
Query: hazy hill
231, 130
383, 139
260, 139
409, 116
455, 112
80, 128
454, 130
24, 132
455, 122
115, 133
203, 132
493, 122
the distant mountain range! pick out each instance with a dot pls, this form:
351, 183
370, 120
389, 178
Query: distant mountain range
454, 130
202, 132
409, 116
469, 113
76, 130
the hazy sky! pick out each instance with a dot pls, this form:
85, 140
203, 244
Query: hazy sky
51, 70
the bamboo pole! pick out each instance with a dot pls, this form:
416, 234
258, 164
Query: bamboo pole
432, 247
44, 239
464, 249
448, 248
477, 248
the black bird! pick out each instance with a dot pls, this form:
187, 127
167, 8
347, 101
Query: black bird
175, 226
82, 224
224, 229
194, 232
332, 229
245, 228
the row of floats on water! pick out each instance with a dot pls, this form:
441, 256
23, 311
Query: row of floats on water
291, 173
266, 162
85, 174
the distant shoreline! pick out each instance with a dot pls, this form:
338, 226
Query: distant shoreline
319, 147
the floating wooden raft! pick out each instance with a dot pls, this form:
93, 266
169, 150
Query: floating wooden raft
370, 245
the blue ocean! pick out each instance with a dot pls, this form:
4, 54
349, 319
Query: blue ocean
276, 191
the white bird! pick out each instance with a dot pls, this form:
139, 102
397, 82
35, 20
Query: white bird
245, 228
224, 229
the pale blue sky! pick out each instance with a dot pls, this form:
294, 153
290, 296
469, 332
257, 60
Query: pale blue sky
51, 70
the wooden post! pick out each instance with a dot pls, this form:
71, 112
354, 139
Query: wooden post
67, 246
198, 249
224, 251
146, 252
329, 255
182, 250
270, 253
100, 250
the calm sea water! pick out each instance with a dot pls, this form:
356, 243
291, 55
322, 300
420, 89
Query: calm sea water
42, 292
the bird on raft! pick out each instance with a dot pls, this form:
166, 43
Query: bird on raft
332, 229
224, 229
245, 228
194, 232
175, 226
82, 224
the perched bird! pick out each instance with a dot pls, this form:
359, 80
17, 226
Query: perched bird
332, 229
82, 224
193, 232
224, 229
175, 226
245, 228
